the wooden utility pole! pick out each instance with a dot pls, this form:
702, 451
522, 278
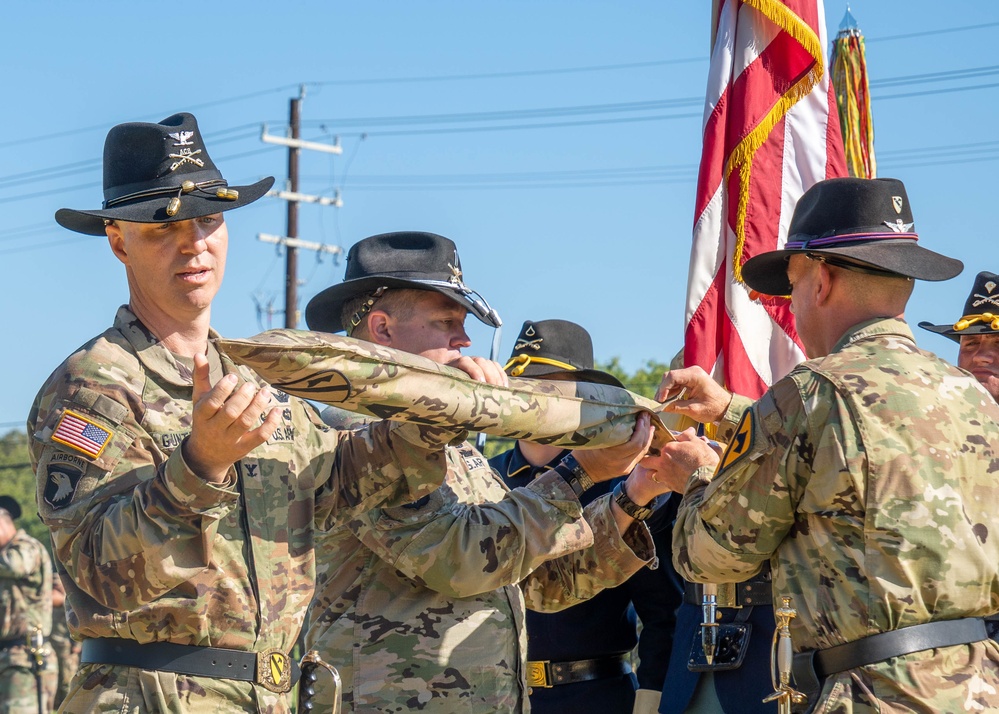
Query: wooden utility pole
291, 252
290, 241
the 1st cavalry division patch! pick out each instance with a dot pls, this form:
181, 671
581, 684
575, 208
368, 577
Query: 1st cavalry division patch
742, 443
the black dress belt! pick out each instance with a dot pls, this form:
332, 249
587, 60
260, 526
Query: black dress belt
545, 673
272, 668
7, 644
812, 666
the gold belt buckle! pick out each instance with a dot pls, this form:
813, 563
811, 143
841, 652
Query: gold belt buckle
537, 674
274, 670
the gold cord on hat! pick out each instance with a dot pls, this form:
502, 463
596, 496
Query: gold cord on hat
222, 191
968, 320
516, 366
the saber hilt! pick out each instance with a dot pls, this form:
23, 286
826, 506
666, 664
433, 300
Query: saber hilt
307, 685
709, 621
781, 655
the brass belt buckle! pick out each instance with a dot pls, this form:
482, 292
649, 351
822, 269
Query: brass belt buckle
274, 671
537, 674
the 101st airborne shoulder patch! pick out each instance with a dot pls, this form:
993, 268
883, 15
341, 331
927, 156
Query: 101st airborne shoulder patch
741, 443
63, 473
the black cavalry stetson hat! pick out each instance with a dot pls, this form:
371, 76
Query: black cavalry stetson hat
556, 349
981, 311
9, 504
407, 259
157, 173
859, 224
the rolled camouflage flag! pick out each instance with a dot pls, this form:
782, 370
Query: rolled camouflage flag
390, 384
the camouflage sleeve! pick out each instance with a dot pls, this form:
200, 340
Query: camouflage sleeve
496, 543
733, 415
732, 521
609, 561
382, 464
20, 559
155, 536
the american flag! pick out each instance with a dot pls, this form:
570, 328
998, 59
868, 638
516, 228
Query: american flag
81, 434
771, 130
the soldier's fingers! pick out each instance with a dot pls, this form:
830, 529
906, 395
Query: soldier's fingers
202, 382
235, 408
667, 385
250, 417
266, 430
492, 372
688, 434
642, 435
207, 406
469, 367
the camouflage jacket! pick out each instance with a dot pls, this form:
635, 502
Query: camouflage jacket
151, 552
419, 606
867, 478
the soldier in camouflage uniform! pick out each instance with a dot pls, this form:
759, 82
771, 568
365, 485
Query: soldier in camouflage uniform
25, 618
421, 607
183, 519
977, 331
866, 477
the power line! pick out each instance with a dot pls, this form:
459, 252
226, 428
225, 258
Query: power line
522, 127
928, 33
503, 75
148, 117
511, 114
78, 167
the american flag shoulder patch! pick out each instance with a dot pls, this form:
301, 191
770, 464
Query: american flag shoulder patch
81, 434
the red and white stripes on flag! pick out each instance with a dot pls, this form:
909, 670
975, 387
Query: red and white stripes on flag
771, 130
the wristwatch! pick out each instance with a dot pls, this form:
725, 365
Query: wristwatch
639, 513
574, 474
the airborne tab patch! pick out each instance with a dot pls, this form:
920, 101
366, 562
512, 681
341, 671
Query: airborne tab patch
742, 443
80, 434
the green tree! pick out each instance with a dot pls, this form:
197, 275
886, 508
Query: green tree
19, 482
645, 380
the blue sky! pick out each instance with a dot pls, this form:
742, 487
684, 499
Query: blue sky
560, 150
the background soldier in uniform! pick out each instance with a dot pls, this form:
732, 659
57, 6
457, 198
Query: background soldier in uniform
25, 618
183, 515
427, 598
67, 650
977, 331
589, 645
866, 476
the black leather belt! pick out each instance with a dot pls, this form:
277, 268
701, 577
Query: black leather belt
7, 644
272, 668
812, 666
756, 591
545, 673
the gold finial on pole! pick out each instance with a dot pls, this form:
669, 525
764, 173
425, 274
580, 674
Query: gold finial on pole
781, 655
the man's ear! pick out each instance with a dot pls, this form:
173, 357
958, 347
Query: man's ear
117, 241
380, 326
823, 284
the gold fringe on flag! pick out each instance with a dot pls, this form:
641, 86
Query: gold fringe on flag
742, 156
853, 99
